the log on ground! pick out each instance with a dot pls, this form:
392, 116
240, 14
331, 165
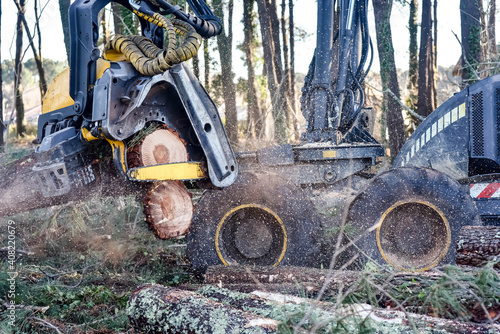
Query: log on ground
454, 293
478, 245
158, 309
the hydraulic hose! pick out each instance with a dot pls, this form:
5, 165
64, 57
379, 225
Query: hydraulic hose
149, 59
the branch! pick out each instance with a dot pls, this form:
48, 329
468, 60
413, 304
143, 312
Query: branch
464, 56
46, 324
410, 111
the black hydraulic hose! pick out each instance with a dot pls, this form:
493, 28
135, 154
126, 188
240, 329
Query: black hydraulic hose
206, 24
365, 38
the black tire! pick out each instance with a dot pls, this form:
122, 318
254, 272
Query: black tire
259, 220
415, 216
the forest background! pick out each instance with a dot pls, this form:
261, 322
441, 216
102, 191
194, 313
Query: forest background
421, 43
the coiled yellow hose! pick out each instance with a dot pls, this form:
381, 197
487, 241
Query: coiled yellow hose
149, 59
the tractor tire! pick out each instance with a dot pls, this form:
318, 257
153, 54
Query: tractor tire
259, 220
409, 218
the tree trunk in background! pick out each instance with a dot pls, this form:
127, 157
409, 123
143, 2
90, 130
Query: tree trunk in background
470, 15
117, 24
434, 53
224, 44
413, 63
206, 59
291, 115
196, 66
273, 83
18, 70
492, 43
2, 126
255, 118
63, 10
37, 56
382, 10
426, 82
293, 98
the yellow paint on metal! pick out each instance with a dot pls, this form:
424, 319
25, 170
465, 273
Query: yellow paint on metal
448, 235
57, 95
230, 212
113, 55
172, 171
119, 152
329, 154
87, 135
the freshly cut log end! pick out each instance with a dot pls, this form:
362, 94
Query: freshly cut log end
168, 209
159, 147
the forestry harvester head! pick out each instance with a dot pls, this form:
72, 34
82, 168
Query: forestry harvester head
138, 103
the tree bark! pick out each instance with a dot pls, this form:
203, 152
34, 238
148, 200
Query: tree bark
273, 81
425, 103
159, 309
293, 95
470, 16
419, 295
395, 125
492, 43
434, 52
38, 57
224, 44
18, 70
63, 10
255, 117
206, 58
479, 245
291, 110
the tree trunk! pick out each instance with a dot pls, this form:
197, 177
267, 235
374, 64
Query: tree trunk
420, 294
255, 117
206, 58
196, 66
492, 43
159, 309
479, 245
293, 96
168, 310
273, 82
18, 70
2, 125
292, 118
37, 56
425, 104
224, 44
395, 125
470, 16
434, 53
63, 10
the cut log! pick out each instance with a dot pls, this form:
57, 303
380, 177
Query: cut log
168, 209
478, 245
168, 206
158, 309
453, 293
